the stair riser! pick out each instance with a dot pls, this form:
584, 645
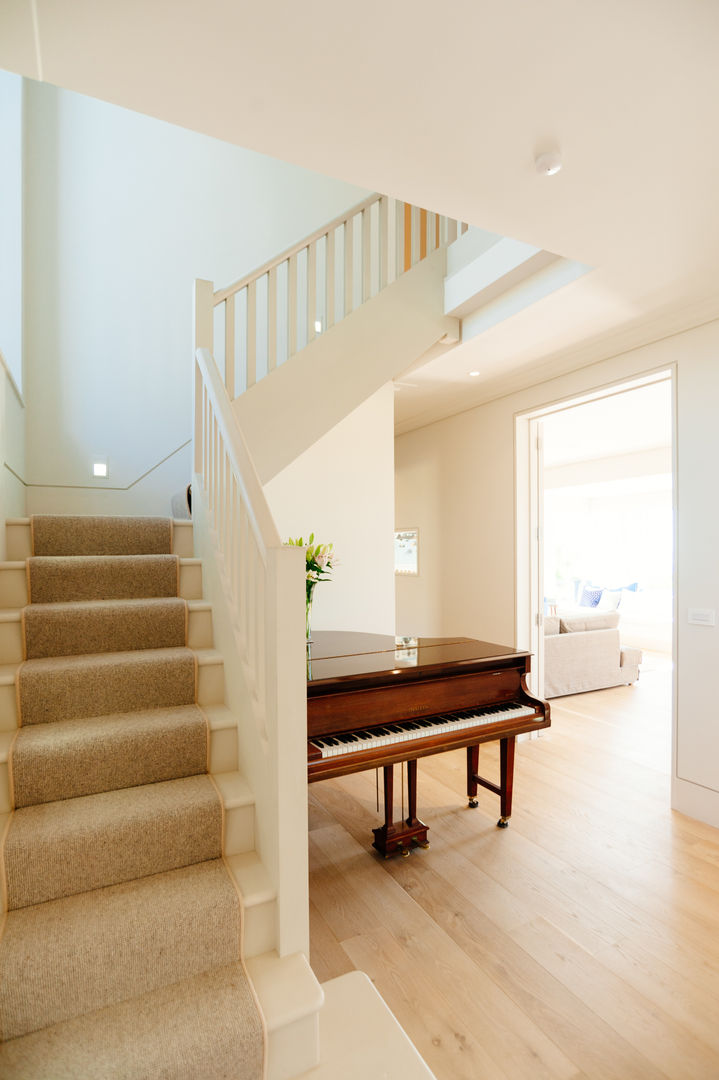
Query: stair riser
293, 1049
210, 684
223, 759
13, 584
239, 830
260, 928
19, 543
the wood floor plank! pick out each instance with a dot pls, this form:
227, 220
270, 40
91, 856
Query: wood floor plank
582, 943
653, 1032
584, 1036
327, 957
489, 1018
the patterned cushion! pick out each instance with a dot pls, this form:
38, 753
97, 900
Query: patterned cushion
591, 595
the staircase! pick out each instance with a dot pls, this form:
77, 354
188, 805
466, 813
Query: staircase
155, 904
140, 938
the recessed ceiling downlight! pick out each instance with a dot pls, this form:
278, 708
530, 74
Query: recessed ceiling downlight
473, 374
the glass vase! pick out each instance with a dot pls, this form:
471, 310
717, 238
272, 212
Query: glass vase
308, 609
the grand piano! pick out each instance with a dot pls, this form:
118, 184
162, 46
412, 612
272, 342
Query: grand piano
376, 701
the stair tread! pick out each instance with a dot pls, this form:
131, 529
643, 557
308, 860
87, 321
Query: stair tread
57, 688
75, 845
194, 1028
86, 755
60, 958
219, 717
252, 879
92, 534
90, 577
79, 628
234, 789
6, 738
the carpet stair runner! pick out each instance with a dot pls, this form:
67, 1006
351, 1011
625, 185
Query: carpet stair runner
121, 951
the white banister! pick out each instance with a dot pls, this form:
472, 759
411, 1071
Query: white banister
257, 586
380, 239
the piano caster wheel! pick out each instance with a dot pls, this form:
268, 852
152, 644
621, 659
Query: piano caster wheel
503, 823
404, 852
473, 804
424, 844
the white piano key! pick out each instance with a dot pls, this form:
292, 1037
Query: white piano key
420, 729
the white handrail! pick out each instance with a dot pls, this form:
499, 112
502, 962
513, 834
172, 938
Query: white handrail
222, 294
271, 314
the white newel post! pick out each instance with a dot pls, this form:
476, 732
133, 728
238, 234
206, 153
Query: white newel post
202, 323
288, 687
203, 315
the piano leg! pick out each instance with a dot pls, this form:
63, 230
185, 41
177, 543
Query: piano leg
398, 836
506, 778
412, 821
472, 770
506, 766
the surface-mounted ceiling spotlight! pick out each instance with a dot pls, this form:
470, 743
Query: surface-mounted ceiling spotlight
549, 163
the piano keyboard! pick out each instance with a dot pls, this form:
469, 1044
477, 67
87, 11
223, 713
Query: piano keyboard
406, 730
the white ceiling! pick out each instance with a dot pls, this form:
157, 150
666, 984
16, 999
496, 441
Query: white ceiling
446, 106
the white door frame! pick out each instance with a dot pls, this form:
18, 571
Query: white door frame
529, 502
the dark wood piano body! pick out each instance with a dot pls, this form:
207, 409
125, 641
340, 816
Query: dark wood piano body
362, 682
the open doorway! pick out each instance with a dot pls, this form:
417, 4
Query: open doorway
595, 536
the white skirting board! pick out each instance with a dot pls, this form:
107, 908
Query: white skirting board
360, 1038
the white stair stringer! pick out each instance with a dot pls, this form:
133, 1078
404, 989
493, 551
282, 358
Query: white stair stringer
282, 415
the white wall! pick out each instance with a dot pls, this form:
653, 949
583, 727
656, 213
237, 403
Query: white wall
464, 492
12, 408
449, 482
342, 489
12, 453
122, 213
11, 198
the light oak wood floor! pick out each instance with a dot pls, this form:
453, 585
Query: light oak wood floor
582, 941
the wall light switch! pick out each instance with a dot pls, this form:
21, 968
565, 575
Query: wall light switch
701, 616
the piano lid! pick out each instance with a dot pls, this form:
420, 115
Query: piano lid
336, 655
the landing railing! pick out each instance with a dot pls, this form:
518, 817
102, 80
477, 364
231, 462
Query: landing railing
269, 315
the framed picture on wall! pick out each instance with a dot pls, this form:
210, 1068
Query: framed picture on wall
406, 551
